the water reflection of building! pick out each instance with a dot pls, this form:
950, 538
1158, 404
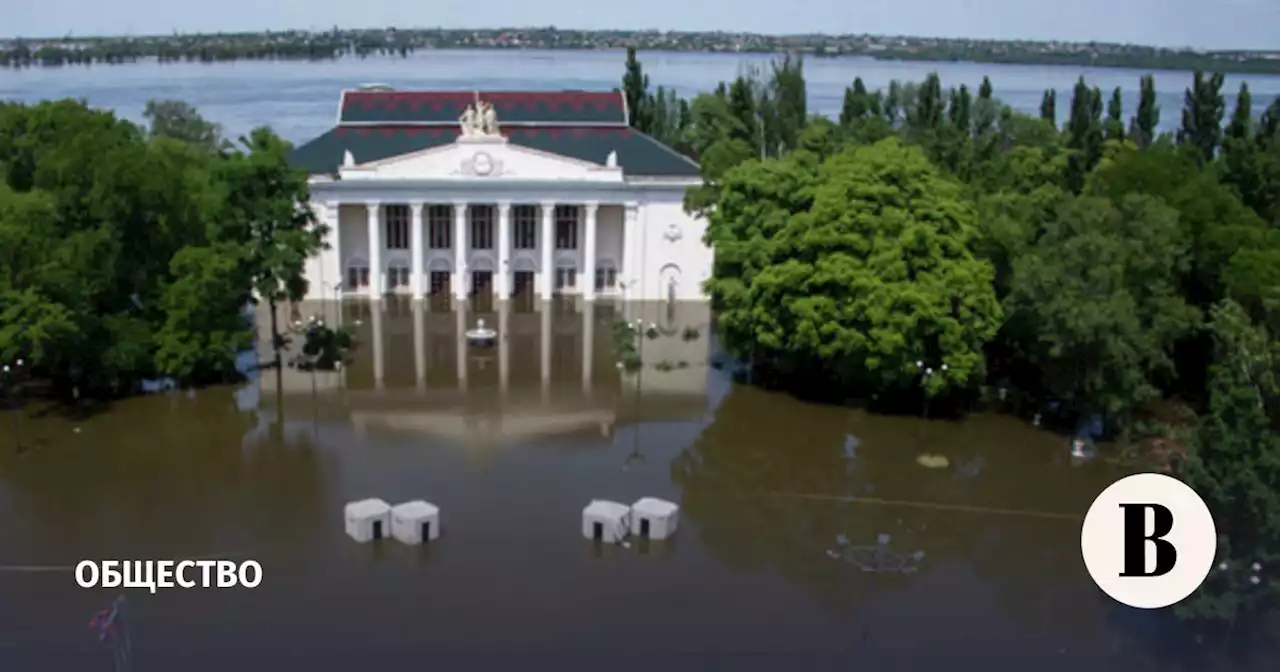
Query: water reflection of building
553, 370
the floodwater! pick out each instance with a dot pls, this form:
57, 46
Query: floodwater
511, 443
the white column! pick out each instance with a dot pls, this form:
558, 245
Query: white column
631, 252
419, 345
461, 312
548, 240
502, 283
333, 220
587, 278
415, 248
588, 343
460, 250
545, 343
504, 347
379, 361
373, 210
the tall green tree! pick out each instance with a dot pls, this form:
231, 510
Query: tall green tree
635, 87
788, 108
1084, 133
1119, 259
959, 111
985, 91
1049, 106
1240, 154
1234, 465
204, 327
744, 104
1202, 112
1113, 127
269, 216
929, 106
857, 103
853, 272
1143, 125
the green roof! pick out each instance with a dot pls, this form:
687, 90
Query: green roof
638, 153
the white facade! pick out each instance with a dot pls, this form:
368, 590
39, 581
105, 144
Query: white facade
482, 214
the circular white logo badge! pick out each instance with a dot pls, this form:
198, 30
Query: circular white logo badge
1148, 541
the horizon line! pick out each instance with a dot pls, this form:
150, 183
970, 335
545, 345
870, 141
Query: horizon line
634, 31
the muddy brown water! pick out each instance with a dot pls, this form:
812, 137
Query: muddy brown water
511, 443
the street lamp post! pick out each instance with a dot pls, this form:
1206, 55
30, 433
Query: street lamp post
1250, 580
642, 334
926, 374
10, 378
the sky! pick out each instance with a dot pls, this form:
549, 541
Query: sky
1223, 24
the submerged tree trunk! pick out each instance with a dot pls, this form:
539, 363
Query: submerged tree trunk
275, 332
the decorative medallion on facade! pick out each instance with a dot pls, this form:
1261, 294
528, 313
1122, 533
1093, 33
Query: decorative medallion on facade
673, 232
481, 164
479, 120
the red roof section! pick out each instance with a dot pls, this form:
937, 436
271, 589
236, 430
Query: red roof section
512, 107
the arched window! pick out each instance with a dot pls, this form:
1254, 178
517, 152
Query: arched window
606, 276
566, 276
357, 274
397, 275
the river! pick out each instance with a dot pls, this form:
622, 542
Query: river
512, 443
300, 100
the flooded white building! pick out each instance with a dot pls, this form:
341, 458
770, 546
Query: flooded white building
500, 194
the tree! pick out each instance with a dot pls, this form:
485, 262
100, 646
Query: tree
1202, 115
787, 110
635, 88
1234, 465
1084, 133
857, 103
958, 113
1113, 128
985, 91
205, 327
180, 121
1142, 127
744, 106
1049, 106
270, 217
1094, 301
928, 108
1240, 152
851, 271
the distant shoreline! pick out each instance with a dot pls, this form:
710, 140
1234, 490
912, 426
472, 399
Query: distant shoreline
337, 44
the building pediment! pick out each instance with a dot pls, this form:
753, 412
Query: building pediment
483, 158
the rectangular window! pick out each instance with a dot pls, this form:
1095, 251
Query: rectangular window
482, 227
397, 226
398, 276
353, 277
439, 226
566, 227
606, 278
364, 276
566, 278
526, 227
